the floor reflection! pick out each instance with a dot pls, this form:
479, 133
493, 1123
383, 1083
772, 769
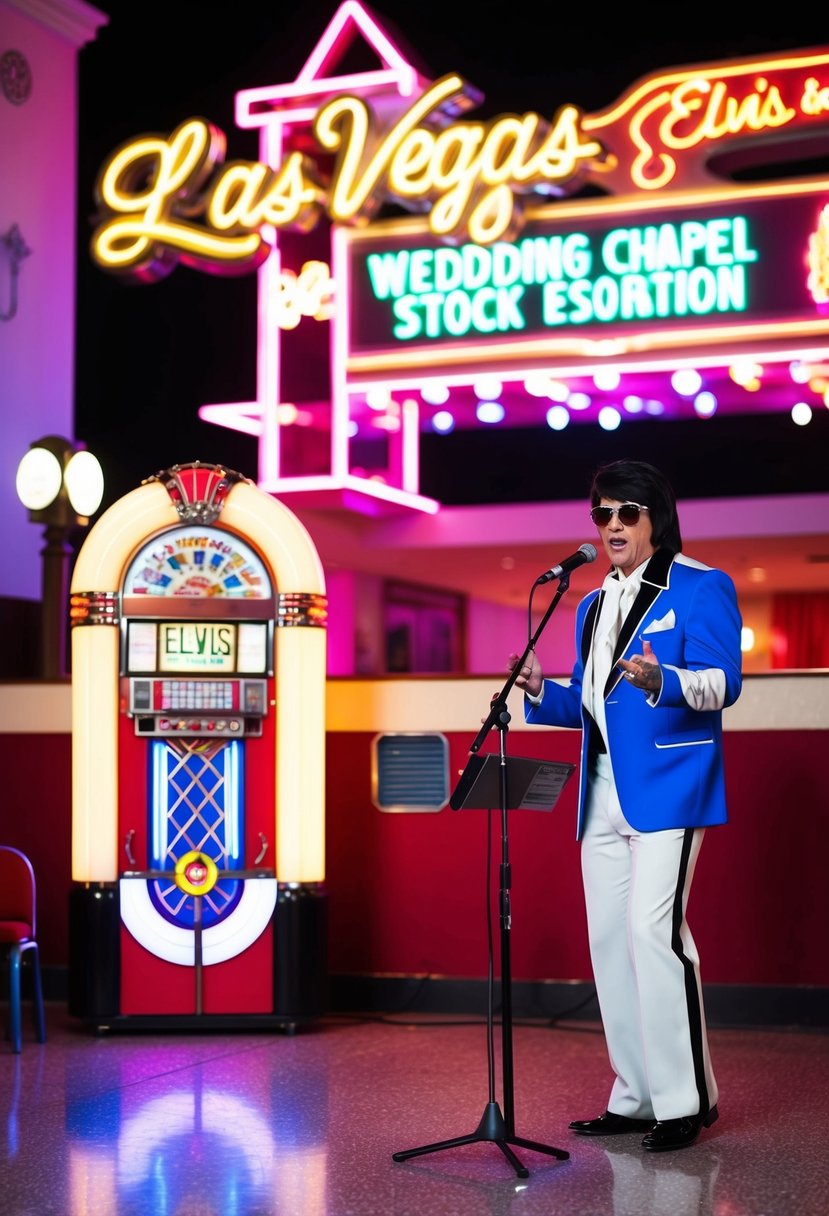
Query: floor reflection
306, 1125
648, 1184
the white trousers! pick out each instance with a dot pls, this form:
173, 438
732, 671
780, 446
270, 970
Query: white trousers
645, 963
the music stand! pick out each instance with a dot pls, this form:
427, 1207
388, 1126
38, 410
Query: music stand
519, 782
532, 785
529, 785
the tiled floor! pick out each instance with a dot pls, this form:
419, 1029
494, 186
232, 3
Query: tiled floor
306, 1125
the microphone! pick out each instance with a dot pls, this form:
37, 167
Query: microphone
584, 554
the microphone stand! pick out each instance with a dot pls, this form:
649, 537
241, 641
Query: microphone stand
494, 1126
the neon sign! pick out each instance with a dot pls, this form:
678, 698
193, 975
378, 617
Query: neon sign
169, 199
666, 270
307, 294
641, 278
818, 260
152, 187
665, 131
469, 172
495, 269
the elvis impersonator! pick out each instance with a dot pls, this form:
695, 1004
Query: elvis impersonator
658, 659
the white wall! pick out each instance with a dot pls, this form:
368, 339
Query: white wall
38, 192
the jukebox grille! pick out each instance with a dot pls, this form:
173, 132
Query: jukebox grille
197, 795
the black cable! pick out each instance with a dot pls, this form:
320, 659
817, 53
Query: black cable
490, 1020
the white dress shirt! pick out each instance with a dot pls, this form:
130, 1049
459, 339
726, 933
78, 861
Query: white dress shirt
619, 593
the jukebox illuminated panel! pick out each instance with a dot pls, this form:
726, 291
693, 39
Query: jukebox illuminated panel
197, 672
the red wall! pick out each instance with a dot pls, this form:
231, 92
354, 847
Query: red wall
36, 816
407, 891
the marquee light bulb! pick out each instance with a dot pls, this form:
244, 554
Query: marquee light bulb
487, 388
746, 373
539, 384
378, 399
557, 390
705, 404
287, 414
490, 411
687, 382
557, 418
443, 422
607, 380
633, 404
579, 401
435, 394
535, 385
609, 418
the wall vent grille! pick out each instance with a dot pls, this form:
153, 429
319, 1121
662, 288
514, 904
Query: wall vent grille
410, 771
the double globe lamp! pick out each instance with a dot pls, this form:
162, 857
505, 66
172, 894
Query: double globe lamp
61, 485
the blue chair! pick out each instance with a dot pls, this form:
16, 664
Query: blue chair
18, 936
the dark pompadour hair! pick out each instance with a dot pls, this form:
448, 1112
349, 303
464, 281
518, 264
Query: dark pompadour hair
635, 481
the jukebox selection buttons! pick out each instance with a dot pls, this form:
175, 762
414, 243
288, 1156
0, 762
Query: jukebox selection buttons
194, 727
205, 707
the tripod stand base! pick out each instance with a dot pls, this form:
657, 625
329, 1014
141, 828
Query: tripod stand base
493, 1128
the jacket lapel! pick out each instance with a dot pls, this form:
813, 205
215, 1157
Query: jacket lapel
589, 628
655, 580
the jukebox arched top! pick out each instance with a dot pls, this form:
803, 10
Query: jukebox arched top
197, 561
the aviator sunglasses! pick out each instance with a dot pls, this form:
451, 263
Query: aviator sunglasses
628, 513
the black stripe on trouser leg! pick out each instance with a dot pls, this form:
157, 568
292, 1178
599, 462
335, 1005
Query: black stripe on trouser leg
692, 996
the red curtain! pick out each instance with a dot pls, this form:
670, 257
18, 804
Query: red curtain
800, 630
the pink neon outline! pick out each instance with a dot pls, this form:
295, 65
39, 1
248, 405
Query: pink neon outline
340, 326
356, 82
397, 72
244, 416
303, 114
410, 422
340, 387
268, 362
337, 33
259, 418
362, 485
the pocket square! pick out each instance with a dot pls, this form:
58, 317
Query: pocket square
665, 622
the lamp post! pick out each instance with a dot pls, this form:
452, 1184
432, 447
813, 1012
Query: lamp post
61, 485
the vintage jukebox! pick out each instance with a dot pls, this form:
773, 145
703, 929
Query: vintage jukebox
198, 694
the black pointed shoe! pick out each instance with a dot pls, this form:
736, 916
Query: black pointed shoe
678, 1133
609, 1124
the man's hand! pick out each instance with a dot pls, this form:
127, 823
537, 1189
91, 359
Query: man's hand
531, 675
642, 670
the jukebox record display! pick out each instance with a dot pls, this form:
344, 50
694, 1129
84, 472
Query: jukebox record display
198, 562
197, 647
